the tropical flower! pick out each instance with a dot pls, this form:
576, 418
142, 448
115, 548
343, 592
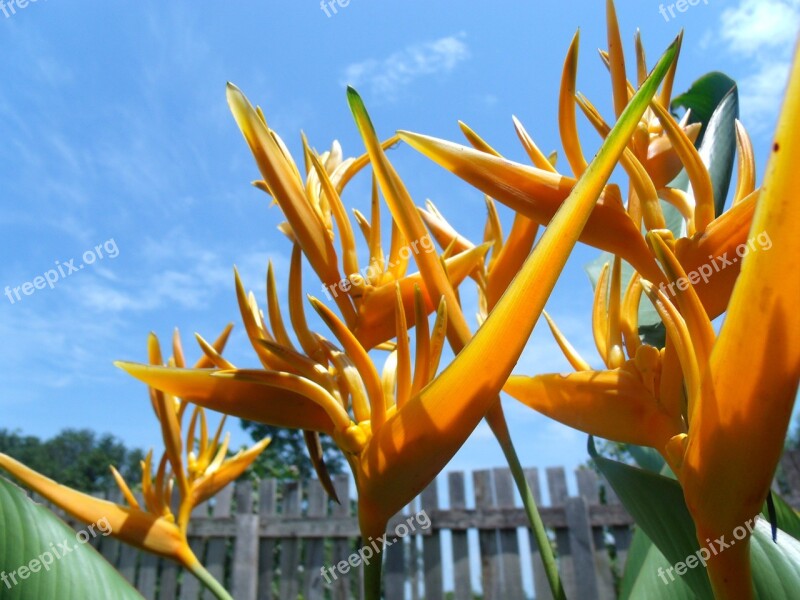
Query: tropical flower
312, 205
658, 149
398, 429
716, 407
199, 474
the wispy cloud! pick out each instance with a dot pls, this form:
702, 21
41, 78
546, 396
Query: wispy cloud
763, 32
386, 77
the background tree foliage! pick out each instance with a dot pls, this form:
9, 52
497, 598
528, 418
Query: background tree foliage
78, 458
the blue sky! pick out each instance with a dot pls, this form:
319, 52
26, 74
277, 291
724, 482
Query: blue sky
114, 132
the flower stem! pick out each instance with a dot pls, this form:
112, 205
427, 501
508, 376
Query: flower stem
497, 422
208, 580
372, 579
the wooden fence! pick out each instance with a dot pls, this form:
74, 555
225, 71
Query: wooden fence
272, 539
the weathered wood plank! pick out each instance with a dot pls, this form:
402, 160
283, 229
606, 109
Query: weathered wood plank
290, 546
168, 581
461, 569
431, 545
313, 588
148, 576
267, 508
589, 490
342, 584
581, 547
509, 542
217, 546
488, 542
128, 557
244, 582
557, 485
622, 534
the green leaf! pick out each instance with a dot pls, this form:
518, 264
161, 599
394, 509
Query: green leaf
718, 111
657, 505
703, 98
718, 148
718, 151
647, 458
641, 578
29, 532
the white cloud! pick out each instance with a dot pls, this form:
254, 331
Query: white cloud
384, 78
763, 32
757, 25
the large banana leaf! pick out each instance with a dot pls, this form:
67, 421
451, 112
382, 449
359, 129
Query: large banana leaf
31, 535
657, 505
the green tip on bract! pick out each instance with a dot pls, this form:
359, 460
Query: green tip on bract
353, 96
359, 110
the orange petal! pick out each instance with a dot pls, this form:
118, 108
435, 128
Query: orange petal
283, 180
376, 315
539, 160
243, 399
610, 404
537, 194
131, 525
716, 250
616, 59
750, 387
567, 125
207, 486
746, 173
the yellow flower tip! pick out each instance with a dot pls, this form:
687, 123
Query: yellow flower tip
355, 438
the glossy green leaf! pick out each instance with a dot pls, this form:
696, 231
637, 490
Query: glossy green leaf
718, 151
641, 578
657, 505
647, 458
703, 98
31, 535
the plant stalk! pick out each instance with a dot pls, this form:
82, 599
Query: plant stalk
208, 580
